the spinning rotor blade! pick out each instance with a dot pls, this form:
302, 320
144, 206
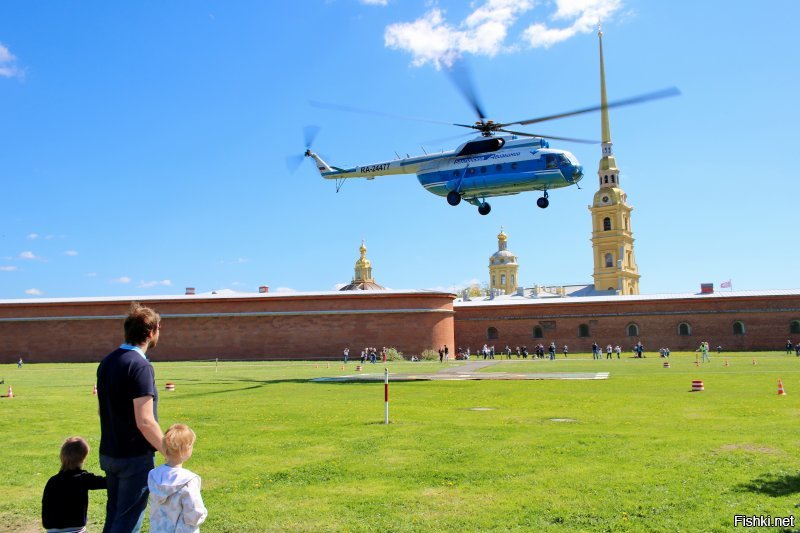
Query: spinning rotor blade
569, 139
349, 109
461, 77
664, 93
293, 162
309, 134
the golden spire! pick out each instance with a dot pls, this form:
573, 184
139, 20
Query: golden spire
608, 164
603, 98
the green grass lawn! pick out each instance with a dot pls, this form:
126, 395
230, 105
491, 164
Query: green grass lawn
638, 452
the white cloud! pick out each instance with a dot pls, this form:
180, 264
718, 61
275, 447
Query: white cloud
286, 290
375, 2
7, 268
8, 64
71, 253
91, 274
432, 39
148, 284
121, 279
582, 16
28, 255
34, 292
32, 236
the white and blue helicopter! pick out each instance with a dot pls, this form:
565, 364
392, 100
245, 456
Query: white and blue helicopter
487, 166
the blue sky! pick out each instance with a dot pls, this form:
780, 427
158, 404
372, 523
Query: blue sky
143, 144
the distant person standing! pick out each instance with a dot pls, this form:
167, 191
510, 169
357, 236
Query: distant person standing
346, 354
552, 350
609, 349
617, 350
19, 363
129, 430
566, 351
789, 347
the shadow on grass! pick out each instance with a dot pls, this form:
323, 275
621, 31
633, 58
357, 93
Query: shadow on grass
774, 485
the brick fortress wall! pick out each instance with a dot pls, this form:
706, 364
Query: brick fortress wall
766, 322
304, 326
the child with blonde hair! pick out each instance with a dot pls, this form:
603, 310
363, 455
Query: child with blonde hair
66, 495
175, 501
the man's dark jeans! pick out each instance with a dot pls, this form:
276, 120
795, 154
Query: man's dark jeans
127, 491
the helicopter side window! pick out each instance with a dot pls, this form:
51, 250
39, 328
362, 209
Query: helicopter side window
550, 161
483, 170
498, 167
514, 165
471, 171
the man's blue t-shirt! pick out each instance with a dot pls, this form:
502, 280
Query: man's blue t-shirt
124, 375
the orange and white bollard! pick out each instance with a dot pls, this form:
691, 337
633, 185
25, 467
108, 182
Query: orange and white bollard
666, 364
10, 392
781, 392
169, 386
697, 385
754, 362
726, 363
358, 368
94, 390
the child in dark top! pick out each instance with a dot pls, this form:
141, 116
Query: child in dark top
66, 495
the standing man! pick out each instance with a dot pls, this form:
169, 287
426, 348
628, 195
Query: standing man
129, 430
346, 354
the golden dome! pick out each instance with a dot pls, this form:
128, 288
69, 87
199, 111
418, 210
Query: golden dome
502, 235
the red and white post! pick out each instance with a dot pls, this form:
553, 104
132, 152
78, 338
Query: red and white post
386, 394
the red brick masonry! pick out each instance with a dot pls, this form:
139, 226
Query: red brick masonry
259, 326
320, 325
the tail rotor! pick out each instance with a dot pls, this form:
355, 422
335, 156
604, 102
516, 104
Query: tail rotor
309, 135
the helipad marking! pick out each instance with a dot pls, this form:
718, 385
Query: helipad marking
477, 376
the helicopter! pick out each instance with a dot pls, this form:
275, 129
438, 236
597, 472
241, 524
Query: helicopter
488, 165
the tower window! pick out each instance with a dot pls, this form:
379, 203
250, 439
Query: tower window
514, 283
605, 179
612, 178
684, 329
583, 330
609, 260
538, 333
493, 283
502, 279
633, 330
492, 334
738, 328
606, 224
794, 326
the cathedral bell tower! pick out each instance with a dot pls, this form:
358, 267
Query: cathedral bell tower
503, 266
612, 238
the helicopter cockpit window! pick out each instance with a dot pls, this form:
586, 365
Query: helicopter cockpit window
550, 161
481, 146
563, 160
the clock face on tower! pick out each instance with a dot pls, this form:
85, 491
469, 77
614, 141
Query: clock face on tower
605, 200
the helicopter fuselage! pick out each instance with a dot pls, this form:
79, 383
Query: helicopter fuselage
478, 169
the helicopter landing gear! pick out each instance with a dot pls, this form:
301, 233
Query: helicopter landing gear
543, 202
484, 208
453, 198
